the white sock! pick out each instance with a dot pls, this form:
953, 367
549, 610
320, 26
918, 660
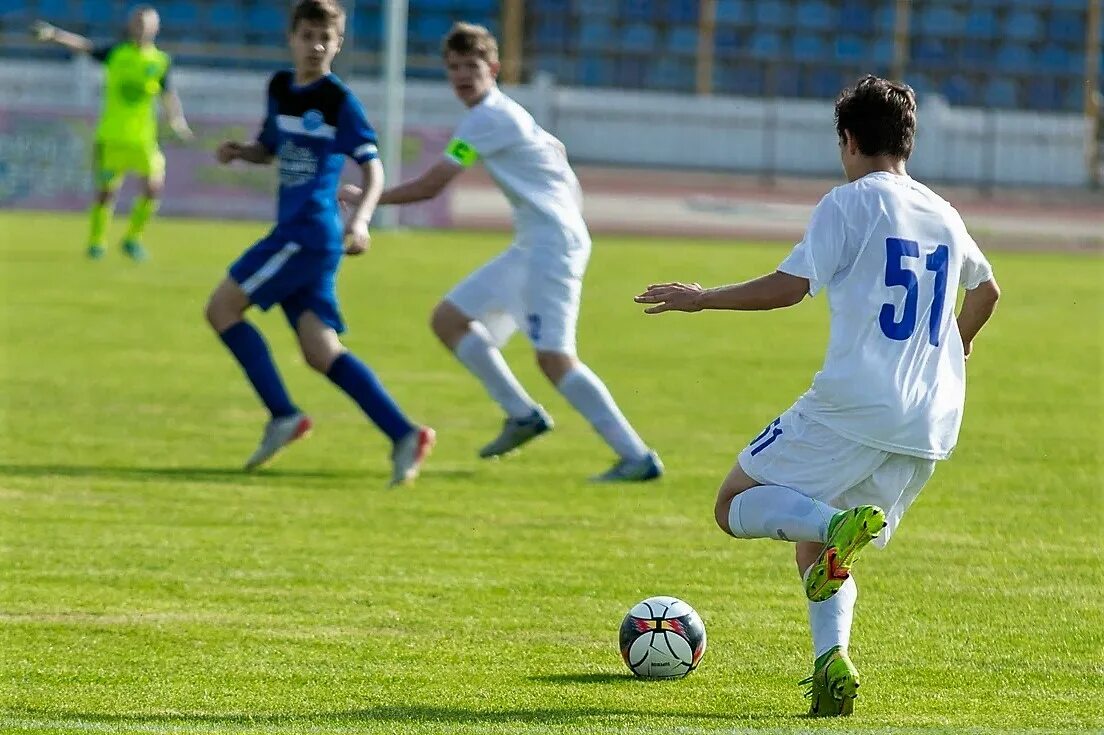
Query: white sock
773, 511
588, 394
479, 355
830, 621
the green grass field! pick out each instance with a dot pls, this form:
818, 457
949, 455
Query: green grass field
148, 586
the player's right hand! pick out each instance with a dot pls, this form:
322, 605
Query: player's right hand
228, 151
43, 31
349, 194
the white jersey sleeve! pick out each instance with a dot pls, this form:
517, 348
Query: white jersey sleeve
975, 267
822, 253
481, 133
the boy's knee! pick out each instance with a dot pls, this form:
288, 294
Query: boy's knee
556, 365
720, 513
449, 324
105, 196
320, 359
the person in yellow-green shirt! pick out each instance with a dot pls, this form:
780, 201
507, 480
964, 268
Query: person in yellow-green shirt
136, 74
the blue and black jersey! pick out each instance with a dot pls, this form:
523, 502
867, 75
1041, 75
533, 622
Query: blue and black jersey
311, 129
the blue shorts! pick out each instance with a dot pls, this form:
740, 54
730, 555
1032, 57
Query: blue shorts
278, 270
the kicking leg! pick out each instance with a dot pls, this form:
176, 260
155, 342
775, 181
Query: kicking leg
324, 352
586, 392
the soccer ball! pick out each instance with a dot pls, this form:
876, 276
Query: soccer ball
662, 638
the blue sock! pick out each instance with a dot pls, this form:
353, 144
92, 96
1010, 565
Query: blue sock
355, 378
250, 350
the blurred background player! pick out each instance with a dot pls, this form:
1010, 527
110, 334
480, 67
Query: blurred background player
537, 283
136, 74
313, 122
841, 466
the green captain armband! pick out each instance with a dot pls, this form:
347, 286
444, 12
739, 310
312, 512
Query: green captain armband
461, 152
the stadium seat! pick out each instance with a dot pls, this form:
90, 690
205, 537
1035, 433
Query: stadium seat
784, 81
733, 11
682, 11
941, 21
743, 79
958, 90
1043, 94
1074, 100
54, 10
883, 50
980, 23
595, 35
630, 73
1023, 25
885, 17
930, 52
1067, 28
823, 82
1000, 92
561, 67
815, 14
852, 48
772, 14
1058, 58
856, 16
225, 18
683, 40
1015, 57
597, 8
766, 46
638, 37
976, 54
553, 33
676, 75
631, 10
809, 48
729, 42
267, 20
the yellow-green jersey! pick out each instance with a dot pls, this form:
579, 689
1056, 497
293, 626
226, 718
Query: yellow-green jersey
134, 78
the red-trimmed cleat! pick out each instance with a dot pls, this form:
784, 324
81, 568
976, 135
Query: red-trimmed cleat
278, 433
409, 454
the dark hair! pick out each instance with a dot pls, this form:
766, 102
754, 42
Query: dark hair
328, 12
469, 38
880, 115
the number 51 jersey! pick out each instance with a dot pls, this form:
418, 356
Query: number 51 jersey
892, 256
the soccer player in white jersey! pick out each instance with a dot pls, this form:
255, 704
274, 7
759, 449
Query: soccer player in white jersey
534, 285
839, 468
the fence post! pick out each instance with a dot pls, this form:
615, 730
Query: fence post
901, 39
707, 28
513, 40
1092, 94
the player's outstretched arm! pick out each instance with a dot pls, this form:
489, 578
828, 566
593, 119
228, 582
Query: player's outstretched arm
174, 111
363, 207
52, 34
426, 186
977, 306
772, 291
254, 152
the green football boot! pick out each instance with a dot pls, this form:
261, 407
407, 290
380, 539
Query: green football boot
833, 685
848, 532
134, 250
95, 251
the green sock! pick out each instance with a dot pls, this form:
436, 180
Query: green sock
140, 214
99, 217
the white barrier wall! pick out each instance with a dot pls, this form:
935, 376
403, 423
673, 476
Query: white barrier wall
781, 136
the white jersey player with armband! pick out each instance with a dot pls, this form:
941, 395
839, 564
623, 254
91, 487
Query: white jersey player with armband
841, 466
536, 284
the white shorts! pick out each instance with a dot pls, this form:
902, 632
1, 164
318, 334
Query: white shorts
797, 453
535, 285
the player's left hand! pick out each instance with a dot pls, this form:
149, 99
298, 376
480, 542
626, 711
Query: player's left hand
182, 131
357, 239
349, 194
671, 297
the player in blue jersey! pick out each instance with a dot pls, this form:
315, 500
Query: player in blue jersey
313, 122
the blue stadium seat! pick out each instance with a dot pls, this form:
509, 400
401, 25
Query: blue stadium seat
930, 52
766, 45
981, 23
54, 10
942, 21
958, 90
595, 71
733, 11
1059, 58
975, 54
823, 82
743, 79
1044, 93
561, 67
729, 41
883, 50
638, 37
885, 17
682, 11
638, 10
1069, 4
683, 40
1067, 28
1023, 25
552, 32
267, 19
367, 28
852, 48
427, 30
1000, 92
226, 18
595, 35
809, 48
1074, 100
815, 14
857, 16
771, 14
597, 8
785, 81
1015, 57
479, 10
673, 74
630, 73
